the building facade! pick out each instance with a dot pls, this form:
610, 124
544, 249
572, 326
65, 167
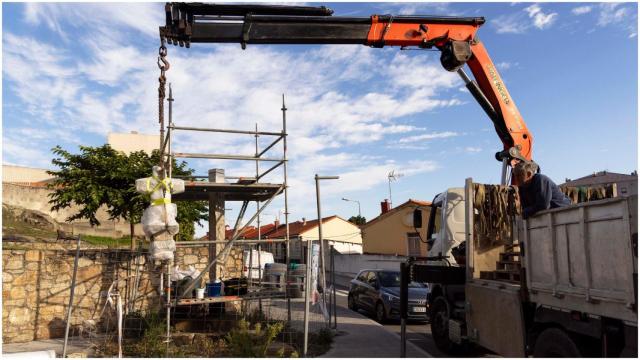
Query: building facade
626, 184
133, 141
344, 236
393, 231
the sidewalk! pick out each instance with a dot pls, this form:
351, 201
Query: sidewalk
361, 337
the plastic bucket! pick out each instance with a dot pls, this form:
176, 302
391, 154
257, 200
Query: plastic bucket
199, 293
214, 289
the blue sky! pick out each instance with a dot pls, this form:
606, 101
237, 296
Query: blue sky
73, 72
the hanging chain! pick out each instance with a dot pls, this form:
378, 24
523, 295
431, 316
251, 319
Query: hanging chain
163, 65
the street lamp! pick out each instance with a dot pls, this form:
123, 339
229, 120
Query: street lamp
324, 284
356, 201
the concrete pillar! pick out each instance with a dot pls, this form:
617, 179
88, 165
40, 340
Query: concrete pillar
216, 220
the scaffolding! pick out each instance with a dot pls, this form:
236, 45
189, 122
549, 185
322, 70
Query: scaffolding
245, 189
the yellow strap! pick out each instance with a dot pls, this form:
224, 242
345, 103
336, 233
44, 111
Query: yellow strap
166, 183
163, 201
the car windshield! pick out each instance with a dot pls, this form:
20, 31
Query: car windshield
392, 279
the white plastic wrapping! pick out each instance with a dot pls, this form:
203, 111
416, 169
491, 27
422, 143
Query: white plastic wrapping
163, 249
159, 219
153, 219
178, 274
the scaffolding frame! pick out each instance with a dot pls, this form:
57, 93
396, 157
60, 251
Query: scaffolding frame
249, 186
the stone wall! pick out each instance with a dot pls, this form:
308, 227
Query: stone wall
36, 287
37, 199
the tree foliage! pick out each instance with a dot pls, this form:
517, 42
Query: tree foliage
358, 220
102, 176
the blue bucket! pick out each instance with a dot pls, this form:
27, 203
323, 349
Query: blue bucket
214, 289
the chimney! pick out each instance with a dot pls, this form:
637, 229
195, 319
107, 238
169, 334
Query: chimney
304, 221
385, 206
276, 223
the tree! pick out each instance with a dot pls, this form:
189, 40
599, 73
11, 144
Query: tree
102, 176
358, 220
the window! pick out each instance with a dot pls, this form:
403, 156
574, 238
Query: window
363, 276
413, 242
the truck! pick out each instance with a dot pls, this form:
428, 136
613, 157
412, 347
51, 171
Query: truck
574, 292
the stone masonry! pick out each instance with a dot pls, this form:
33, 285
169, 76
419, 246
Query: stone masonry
36, 287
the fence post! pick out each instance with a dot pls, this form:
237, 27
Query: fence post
404, 297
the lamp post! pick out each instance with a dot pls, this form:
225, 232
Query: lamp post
320, 239
356, 201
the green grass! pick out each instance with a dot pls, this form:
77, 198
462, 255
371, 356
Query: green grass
124, 241
12, 226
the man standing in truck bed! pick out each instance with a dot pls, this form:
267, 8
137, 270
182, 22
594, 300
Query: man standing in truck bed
537, 192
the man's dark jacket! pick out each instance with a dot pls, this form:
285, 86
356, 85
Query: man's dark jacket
540, 194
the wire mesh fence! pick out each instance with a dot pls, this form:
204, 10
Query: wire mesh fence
252, 312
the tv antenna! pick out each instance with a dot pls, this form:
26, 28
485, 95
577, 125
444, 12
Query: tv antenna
392, 176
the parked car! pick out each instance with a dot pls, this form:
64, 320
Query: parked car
378, 292
257, 264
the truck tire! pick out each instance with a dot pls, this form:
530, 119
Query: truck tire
554, 342
440, 326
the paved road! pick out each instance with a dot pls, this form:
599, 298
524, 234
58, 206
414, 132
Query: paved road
419, 333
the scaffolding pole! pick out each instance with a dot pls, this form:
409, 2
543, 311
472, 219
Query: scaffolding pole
286, 199
73, 290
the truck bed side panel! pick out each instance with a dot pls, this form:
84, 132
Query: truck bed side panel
581, 256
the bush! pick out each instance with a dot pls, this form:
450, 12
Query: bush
244, 342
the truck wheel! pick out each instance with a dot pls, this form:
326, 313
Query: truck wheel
554, 342
440, 326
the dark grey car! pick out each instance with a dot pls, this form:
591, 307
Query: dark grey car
378, 292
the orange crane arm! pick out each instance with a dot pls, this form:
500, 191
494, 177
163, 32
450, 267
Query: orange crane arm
455, 37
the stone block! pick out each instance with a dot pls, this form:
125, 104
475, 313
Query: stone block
32, 255
7, 277
18, 292
19, 316
190, 260
17, 337
13, 264
84, 262
26, 278
12, 302
32, 266
88, 273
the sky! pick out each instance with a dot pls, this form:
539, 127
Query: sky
72, 72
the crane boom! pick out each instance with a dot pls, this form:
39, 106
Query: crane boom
455, 37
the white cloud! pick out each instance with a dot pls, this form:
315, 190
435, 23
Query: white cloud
510, 24
112, 86
520, 22
611, 13
471, 149
619, 15
505, 65
540, 19
428, 136
581, 10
